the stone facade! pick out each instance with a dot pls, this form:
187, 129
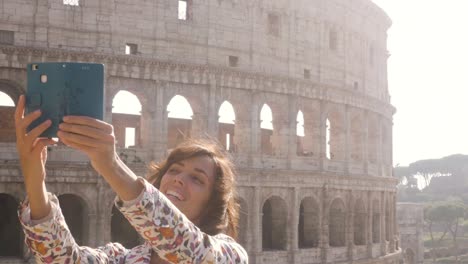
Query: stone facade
411, 226
325, 197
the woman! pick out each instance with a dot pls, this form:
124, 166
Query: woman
185, 213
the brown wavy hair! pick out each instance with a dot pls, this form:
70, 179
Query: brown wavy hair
222, 213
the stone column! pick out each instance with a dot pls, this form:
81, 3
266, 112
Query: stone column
322, 136
295, 220
159, 123
383, 242
365, 145
379, 158
199, 124
148, 130
281, 135
255, 136
257, 221
213, 115
292, 128
350, 225
370, 216
324, 238
347, 141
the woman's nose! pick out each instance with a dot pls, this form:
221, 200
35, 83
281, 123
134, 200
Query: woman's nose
179, 178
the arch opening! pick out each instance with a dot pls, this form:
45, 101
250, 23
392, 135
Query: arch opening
337, 226
273, 224
266, 127
122, 231
226, 126
75, 212
126, 119
179, 123
359, 223
309, 224
11, 242
7, 125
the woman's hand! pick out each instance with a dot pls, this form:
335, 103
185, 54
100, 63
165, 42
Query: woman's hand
93, 137
96, 139
32, 152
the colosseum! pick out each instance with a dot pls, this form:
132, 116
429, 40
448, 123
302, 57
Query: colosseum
295, 90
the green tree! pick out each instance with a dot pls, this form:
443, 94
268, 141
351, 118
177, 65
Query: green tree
450, 214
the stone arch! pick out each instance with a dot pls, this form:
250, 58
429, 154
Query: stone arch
11, 235
357, 138
337, 133
337, 224
360, 217
226, 126
12, 91
266, 128
410, 257
126, 119
372, 140
274, 222
243, 222
179, 123
375, 221
122, 231
75, 211
309, 223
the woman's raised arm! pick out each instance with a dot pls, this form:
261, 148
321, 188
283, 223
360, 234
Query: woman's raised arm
96, 139
32, 152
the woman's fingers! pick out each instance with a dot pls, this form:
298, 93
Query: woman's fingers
37, 131
89, 121
39, 145
80, 140
21, 122
75, 145
88, 131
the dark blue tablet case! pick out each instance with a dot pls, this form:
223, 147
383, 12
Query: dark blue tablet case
71, 89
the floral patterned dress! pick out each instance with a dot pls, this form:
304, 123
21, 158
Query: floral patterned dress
165, 229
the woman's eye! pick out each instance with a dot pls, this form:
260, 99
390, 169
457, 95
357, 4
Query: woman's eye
197, 180
173, 170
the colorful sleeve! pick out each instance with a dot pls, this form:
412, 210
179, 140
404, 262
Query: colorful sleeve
51, 241
173, 236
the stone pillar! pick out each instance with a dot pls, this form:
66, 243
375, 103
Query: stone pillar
281, 135
199, 124
365, 145
350, 225
391, 210
324, 237
255, 135
213, 115
148, 130
322, 136
292, 128
347, 141
383, 242
295, 219
257, 221
379, 158
370, 212
159, 123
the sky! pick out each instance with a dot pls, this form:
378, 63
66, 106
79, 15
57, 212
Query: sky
428, 78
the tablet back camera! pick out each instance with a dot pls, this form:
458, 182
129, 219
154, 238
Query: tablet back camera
43, 78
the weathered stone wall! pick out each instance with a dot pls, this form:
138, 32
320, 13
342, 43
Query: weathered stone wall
326, 59
411, 224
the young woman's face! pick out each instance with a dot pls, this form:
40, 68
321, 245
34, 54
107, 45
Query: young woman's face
189, 184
